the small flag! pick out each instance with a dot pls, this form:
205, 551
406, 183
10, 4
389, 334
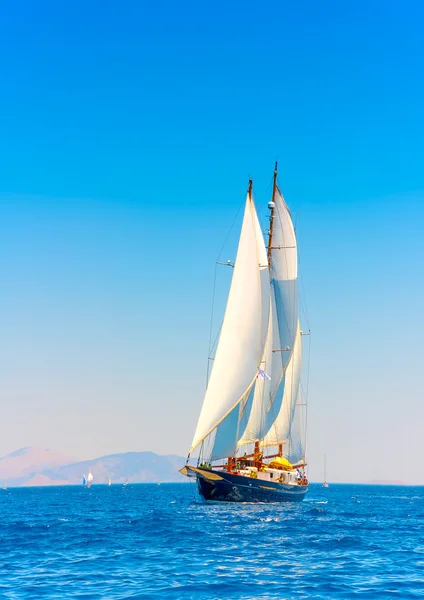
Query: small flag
263, 375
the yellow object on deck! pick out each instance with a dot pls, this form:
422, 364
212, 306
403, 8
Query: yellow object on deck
279, 462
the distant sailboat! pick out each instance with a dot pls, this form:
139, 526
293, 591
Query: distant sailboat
5, 485
126, 481
325, 484
84, 481
110, 481
89, 479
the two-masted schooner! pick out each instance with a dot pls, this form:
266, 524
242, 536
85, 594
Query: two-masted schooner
251, 429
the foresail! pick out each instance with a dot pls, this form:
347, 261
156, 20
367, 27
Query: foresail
242, 336
280, 428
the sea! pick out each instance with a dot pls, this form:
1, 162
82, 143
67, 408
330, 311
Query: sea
161, 541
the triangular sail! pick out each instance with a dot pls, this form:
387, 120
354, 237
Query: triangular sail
240, 346
280, 428
226, 436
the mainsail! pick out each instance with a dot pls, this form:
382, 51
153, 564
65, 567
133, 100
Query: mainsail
242, 338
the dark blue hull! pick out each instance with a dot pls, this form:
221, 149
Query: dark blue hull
236, 488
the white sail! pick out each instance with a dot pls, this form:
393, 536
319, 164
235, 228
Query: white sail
284, 280
253, 424
280, 429
297, 437
226, 435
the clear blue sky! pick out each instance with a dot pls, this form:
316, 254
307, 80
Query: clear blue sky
127, 136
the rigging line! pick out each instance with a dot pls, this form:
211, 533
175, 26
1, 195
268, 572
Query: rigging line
304, 313
211, 325
214, 290
307, 393
305, 306
215, 342
230, 230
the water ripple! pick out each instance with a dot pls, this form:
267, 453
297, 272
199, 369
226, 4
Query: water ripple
145, 541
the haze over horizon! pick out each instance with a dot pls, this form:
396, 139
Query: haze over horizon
125, 151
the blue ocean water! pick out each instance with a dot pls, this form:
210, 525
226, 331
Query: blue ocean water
150, 541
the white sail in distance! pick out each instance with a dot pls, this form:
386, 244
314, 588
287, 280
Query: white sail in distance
243, 334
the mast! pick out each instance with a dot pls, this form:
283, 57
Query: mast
271, 206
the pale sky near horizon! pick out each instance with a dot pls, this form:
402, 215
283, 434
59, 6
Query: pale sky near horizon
127, 141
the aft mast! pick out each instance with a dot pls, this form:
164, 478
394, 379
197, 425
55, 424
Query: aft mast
271, 206
257, 457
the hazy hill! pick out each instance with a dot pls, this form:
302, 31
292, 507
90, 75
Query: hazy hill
134, 466
25, 461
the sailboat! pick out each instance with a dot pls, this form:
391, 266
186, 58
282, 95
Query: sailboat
89, 479
110, 481
126, 481
84, 481
325, 484
5, 485
250, 434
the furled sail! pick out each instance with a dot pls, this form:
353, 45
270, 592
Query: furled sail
280, 428
242, 338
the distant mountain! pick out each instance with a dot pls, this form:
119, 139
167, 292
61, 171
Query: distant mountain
25, 461
137, 467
